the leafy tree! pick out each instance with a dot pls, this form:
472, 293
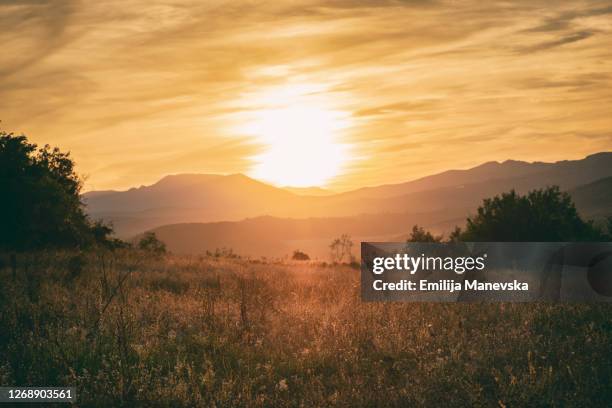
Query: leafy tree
546, 215
40, 205
455, 235
300, 256
419, 234
150, 243
341, 248
540, 215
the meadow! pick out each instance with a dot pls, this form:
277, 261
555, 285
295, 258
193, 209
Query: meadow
131, 329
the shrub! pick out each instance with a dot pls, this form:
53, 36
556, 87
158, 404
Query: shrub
150, 243
540, 215
300, 256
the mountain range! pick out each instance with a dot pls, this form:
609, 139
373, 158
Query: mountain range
197, 212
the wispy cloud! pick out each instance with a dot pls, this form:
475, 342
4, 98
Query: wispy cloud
568, 39
139, 89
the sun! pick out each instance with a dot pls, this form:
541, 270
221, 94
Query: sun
301, 137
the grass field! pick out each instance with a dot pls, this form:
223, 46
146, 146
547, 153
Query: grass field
132, 330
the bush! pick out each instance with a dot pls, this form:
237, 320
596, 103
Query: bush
150, 243
546, 215
419, 234
300, 256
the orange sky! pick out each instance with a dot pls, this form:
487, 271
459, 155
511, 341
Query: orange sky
359, 92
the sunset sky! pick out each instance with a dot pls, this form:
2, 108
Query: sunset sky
335, 93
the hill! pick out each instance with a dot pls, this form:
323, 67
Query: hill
594, 200
309, 191
283, 235
449, 195
566, 174
188, 198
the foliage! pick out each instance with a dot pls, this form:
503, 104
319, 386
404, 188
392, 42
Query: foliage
540, 215
455, 235
40, 205
545, 215
223, 253
150, 243
300, 256
419, 234
341, 249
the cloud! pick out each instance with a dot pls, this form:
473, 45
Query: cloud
400, 107
575, 81
138, 89
31, 30
567, 39
564, 20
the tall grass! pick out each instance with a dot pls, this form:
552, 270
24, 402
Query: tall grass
127, 330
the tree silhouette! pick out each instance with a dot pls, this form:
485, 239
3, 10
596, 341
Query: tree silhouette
300, 256
40, 205
341, 248
419, 234
150, 243
545, 215
540, 215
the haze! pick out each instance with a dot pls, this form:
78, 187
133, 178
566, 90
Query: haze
337, 94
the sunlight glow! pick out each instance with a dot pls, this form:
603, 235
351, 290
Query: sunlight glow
301, 135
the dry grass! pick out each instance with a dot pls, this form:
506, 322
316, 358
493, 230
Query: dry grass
131, 331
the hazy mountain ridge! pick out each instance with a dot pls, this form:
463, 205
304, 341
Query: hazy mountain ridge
309, 191
594, 199
183, 191
313, 235
209, 198
592, 164
283, 235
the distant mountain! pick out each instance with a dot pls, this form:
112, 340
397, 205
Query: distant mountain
567, 174
189, 198
278, 237
594, 200
187, 191
313, 235
99, 193
309, 191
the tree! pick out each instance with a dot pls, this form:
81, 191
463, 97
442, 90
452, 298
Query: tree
40, 205
540, 215
300, 256
419, 234
546, 215
455, 235
150, 243
341, 248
